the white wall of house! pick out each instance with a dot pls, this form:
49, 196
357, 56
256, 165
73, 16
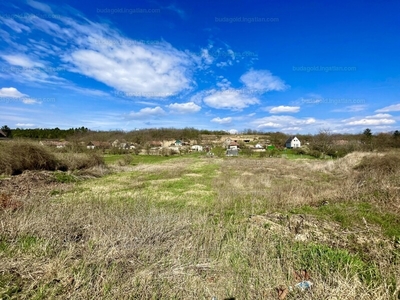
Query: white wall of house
294, 143
197, 148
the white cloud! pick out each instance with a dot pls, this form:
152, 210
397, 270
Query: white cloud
233, 131
144, 70
30, 101
40, 6
89, 92
11, 93
21, 60
379, 116
219, 120
14, 25
291, 129
24, 124
231, 53
394, 107
262, 81
184, 108
229, 99
351, 108
146, 113
284, 109
205, 55
14, 95
99, 52
310, 98
283, 122
224, 64
224, 84
374, 120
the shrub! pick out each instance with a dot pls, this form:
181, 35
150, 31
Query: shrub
299, 151
79, 161
17, 156
315, 153
115, 150
218, 151
385, 165
126, 160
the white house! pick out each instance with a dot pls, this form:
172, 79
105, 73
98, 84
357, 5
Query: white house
197, 148
90, 145
293, 142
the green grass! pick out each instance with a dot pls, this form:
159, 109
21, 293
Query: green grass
26, 245
187, 227
139, 159
324, 260
351, 214
64, 177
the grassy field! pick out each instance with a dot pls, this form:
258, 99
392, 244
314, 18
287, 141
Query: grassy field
195, 227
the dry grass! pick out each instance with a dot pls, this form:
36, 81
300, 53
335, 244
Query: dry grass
21, 155
17, 156
198, 228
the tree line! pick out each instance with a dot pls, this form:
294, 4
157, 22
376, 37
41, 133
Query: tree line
324, 141
43, 133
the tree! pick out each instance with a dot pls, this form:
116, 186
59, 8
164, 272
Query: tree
367, 138
396, 138
323, 141
367, 132
7, 131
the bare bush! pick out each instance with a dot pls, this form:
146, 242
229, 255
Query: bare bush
17, 156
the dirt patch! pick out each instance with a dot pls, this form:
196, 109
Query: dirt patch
29, 184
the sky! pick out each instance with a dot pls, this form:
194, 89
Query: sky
290, 66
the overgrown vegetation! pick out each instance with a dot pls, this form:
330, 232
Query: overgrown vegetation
191, 227
20, 155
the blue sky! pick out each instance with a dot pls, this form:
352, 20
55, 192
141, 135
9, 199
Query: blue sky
289, 66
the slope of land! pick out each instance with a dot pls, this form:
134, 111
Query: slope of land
197, 227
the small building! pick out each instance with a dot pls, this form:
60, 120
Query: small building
293, 142
115, 143
232, 152
233, 145
90, 145
197, 148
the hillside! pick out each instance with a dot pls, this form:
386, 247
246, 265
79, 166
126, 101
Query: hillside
195, 228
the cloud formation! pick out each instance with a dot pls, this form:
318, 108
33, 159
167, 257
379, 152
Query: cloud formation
11, 92
275, 122
262, 81
229, 99
284, 109
147, 113
374, 120
184, 108
394, 107
219, 120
